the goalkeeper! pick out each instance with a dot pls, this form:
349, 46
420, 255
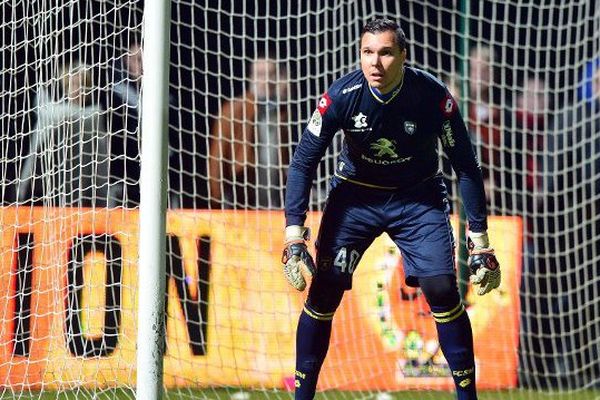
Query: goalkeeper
386, 180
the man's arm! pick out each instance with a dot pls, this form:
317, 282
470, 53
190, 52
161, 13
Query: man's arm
296, 259
484, 268
301, 174
315, 139
457, 145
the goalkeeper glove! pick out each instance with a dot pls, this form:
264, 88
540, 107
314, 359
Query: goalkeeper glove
297, 261
483, 265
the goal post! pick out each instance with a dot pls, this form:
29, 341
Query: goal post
153, 201
104, 293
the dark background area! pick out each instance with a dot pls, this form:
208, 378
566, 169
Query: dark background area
213, 42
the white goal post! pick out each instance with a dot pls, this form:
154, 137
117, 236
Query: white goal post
153, 201
81, 258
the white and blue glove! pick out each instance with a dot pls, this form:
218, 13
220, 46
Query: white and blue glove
298, 264
483, 265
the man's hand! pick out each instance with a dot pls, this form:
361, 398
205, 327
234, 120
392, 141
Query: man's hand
484, 267
297, 261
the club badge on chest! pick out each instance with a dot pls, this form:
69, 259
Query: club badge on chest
410, 127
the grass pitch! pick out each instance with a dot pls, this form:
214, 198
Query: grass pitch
236, 394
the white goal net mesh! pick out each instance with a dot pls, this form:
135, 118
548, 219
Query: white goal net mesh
245, 77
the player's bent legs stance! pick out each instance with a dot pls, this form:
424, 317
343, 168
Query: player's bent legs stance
419, 225
454, 331
452, 323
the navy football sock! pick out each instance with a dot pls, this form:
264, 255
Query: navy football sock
456, 339
312, 342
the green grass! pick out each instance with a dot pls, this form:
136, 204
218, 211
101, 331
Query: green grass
235, 394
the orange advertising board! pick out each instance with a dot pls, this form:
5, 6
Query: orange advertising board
231, 317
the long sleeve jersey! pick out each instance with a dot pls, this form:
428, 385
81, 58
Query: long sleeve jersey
390, 142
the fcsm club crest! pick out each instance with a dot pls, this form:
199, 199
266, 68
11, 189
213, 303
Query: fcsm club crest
410, 127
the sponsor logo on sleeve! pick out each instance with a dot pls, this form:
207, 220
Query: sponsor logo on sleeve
315, 123
448, 106
447, 134
324, 104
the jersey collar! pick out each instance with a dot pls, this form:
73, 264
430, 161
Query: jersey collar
388, 97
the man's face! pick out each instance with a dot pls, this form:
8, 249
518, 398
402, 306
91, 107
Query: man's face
263, 79
381, 60
267, 82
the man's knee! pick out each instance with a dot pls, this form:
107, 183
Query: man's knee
440, 290
323, 298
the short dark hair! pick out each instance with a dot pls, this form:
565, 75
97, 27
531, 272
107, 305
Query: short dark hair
378, 25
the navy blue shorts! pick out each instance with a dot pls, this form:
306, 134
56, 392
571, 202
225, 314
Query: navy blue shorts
416, 220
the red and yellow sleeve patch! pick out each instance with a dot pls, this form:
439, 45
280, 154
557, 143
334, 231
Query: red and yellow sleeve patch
324, 103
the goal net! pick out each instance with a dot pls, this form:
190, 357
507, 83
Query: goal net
245, 77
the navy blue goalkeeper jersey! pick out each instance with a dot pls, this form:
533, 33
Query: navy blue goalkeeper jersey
390, 141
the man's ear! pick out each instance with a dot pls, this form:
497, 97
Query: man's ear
404, 54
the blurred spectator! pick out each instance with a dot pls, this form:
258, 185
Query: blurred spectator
67, 162
125, 108
527, 124
484, 117
249, 145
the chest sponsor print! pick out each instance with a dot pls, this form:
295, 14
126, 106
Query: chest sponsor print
384, 148
360, 120
358, 123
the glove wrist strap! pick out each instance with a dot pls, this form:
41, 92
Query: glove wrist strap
480, 241
296, 234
